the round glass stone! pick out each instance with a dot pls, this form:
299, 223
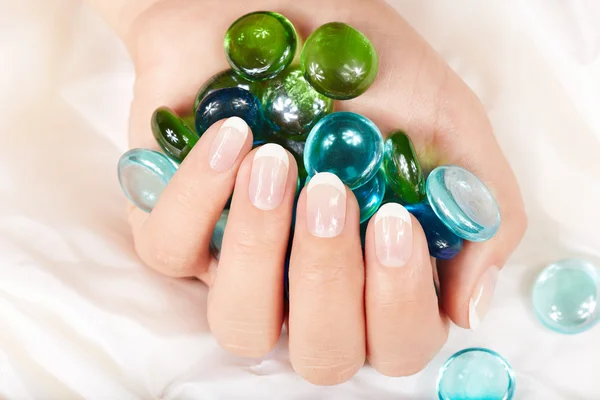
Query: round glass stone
226, 79
476, 374
370, 195
463, 203
565, 296
347, 145
260, 45
143, 175
172, 134
292, 106
216, 241
339, 61
402, 168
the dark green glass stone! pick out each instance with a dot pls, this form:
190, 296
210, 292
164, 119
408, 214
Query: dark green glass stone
172, 134
226, 79
402, 168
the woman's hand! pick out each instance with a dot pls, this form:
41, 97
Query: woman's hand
342, 308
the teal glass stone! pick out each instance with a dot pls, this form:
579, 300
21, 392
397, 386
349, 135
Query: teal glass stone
565, 296
216, 240
476, 374
143, 175
292, 106
172, 133
346, 144
442, 243
370, 195
463, 203
226, 79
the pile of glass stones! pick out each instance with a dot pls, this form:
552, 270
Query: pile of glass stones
292, 104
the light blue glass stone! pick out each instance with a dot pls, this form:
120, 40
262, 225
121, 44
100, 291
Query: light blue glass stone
143, 175
463, 203
565, 296
347, 145
216, 241
370, 195
476, 374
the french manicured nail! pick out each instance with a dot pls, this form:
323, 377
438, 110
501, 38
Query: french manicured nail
326, 205
269, 176
393, 235
228, 143
482, 297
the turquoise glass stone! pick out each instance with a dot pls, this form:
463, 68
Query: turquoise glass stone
347, 145
463, 203
172, 134
216, 240
143, 175
565, 296
476, 374
442, 243
370, 195
226, 79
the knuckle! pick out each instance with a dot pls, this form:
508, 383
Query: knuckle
249, 244
161, 256
328, 368
244, 338
402, 366
318, 273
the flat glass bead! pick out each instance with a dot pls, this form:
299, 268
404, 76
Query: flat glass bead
463, 203
226, 79
370, 195
339, 61
143, 175
260, 45
476, 374
172, 134
442, 243
347, 145
230, 102
402, 168
216, 241
292, 106
565, 296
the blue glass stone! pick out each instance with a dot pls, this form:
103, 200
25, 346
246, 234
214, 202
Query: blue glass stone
442, 243
347, 145
216, 241
463, 203
476, 374
143, 175
231, 102
370, 195
565, 296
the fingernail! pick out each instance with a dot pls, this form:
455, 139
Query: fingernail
269, 176
482, 297
227, 144
326, 205
393, 235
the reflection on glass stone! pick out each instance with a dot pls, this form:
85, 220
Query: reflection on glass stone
442, 243
226, 79
171, 133
370, 195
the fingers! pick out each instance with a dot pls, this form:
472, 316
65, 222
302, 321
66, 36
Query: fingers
326, 316
245, 307
404, 326
174, 238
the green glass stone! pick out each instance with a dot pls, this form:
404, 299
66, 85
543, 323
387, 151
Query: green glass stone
226, 79
260, 45
172, 134
339, 61
292, 106
402, 168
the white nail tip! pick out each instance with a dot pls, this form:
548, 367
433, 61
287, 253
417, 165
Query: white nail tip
394, 210
327, 178
272, 150
236, 123
473, 317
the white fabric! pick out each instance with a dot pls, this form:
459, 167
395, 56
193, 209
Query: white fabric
81, 318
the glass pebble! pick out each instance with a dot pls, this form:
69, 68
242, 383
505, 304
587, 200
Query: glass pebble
402, 168
226, 79
370, 195
339, 61
260, 45
565, 296
442, 243
463, 203
216, 241
476, 374
143, 175
346, 144
172, 134
292, 106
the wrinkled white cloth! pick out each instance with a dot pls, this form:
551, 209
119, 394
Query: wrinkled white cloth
80, 317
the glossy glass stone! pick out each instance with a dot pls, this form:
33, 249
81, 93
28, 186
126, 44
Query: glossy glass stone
565, 296
476, 374
216, 240
370, 195
231, 102
442, 243
463, 203
402, 168
143, 175
339, 61
226, 79
260, 45
296, 148
292, 106
172, 134
346, 144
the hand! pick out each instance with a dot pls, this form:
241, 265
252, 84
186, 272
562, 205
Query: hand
342, 308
